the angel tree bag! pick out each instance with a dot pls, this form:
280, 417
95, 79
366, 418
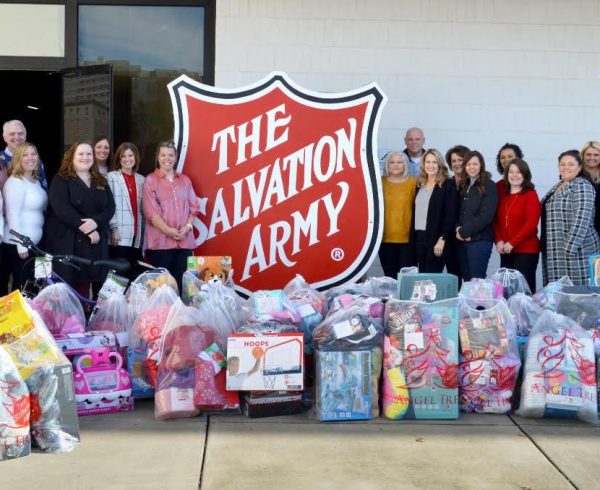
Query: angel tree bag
560, 371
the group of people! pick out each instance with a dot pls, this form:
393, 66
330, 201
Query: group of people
434, 220
97, 207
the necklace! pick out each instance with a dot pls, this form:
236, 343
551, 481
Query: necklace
508, 207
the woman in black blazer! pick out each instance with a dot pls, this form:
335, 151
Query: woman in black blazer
434, 212
81, 206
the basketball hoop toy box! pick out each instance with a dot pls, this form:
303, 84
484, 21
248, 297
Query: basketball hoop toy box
266, 362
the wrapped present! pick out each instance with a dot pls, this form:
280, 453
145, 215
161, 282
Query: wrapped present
560, 371
420, 360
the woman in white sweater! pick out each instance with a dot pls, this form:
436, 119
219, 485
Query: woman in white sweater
24, 204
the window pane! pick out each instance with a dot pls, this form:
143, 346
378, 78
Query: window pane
148, 47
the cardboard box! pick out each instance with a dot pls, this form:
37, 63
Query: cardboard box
427, 287
73, 344
272, 362
105, 406
344, 385
257, 404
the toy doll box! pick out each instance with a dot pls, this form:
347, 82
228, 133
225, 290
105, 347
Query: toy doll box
265, 362
80, 343
344, 385
427, 287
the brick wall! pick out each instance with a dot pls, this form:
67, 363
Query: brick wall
476, 72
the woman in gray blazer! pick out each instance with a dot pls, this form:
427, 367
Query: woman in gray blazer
127, 224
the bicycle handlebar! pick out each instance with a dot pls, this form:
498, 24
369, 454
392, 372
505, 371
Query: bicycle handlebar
119, 265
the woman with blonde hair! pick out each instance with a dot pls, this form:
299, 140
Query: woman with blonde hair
25, 202
398, 188
434, 212
590, 156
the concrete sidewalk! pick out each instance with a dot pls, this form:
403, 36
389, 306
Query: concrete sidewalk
132, 450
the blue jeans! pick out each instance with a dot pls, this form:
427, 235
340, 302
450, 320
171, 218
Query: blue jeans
473, 258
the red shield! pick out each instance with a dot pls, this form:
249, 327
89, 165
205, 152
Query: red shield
288, 179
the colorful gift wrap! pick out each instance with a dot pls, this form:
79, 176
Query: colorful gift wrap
420, 360
344, 387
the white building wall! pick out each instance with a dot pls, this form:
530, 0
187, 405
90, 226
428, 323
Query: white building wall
476, 72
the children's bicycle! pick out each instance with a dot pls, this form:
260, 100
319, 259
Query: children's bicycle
45, 275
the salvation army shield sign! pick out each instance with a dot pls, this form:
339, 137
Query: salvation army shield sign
288, 179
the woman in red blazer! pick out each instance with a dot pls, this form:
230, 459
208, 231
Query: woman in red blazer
516, 222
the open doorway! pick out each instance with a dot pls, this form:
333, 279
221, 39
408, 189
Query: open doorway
34, 97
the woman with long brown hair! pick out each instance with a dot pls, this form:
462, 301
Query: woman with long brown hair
81, 206
474, 231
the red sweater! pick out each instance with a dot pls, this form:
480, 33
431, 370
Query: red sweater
516, 221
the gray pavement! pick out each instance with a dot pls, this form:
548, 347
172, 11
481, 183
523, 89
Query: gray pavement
133, 451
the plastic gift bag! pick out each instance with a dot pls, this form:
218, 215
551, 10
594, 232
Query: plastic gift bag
482, 289
15, 441
512, 280
582, 304
60, 309
145, 336
546, 297
489, 362
113, 315
381, 287
525, 312
152, 280
184, 338
348, 349
560, 371
272, 306
46, 371
193, 289
420, 361
309, 304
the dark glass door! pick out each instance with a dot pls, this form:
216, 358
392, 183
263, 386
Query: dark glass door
87, 96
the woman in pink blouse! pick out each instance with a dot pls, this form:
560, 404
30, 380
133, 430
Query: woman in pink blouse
170, 206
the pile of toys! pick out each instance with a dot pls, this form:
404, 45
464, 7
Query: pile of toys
412, 348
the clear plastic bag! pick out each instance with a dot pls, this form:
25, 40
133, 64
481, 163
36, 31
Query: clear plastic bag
489, 361
272, 306
145, 336
45, 370
381, 287
60, 309
546, 297
525, 312
512, 281
184, 338
15, 441
582, 304
309, 304
193, 289
482, 289
560, 371
113, 315
420, 368
151, 280
349, 354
